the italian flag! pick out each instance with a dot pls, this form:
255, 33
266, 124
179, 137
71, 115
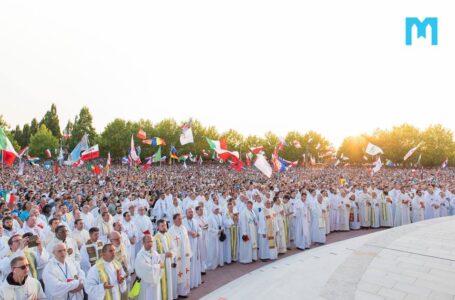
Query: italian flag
10, 198
217, 145
90, 153
8, 153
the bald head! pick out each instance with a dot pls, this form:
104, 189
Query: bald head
60, 252
115, 238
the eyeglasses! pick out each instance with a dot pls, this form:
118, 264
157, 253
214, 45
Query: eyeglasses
24, 267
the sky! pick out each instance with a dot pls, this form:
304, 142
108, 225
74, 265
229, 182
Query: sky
337, 67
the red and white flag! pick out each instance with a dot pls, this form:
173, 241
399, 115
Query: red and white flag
48, 153
91, 153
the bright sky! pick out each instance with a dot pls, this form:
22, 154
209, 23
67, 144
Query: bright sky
338, 67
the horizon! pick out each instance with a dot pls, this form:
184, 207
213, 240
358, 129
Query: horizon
264, 67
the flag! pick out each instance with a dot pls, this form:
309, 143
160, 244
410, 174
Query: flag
377, 165
263, 165
389, 163
138, 151
186, 137
337, 162
248, 158
147, 165
237, 164
192, 157
282, 143
156, 141
125, 160
141, 134
21, 168
410, 152
82, 146
200, 160
47, 165
78, 163
90, 153
173, 153
10, 198
108, 163
184, 165
157, 156
66, 133
8, 153
217, 145
183, 157
373, 149
48, 153
445, 164
297, 144
60, 156
257, 150
94, 169
418, 161
22, 152
133, 153
57, 169
312, 160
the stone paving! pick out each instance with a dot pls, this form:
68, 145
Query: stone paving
415, 261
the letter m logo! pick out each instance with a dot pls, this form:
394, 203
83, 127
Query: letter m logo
422, 29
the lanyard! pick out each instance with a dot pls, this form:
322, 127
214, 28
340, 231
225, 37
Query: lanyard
65, 273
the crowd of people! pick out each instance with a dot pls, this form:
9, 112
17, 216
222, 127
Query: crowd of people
76, 235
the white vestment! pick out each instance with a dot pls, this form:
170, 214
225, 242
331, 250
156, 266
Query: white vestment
60, 279
148, 268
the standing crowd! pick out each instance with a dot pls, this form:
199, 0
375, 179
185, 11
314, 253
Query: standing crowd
76, 235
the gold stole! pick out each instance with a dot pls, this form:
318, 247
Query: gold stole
233, 230
32, 261
104, 277
160, 250
270, 231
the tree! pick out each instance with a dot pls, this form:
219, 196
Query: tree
233, 139
115, 139
25, 135
437, 145
52, 122
18, 136
3, 123
83, 123
34, 127
41, 141
354, 148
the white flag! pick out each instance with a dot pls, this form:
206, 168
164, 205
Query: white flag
410, 152
186, 137
263, 165
377, 165
133, 154
373, 149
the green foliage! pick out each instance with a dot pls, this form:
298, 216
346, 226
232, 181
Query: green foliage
41, 141
437, 145
83, 123
52, 122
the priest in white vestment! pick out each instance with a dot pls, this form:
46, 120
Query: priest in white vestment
248, 247
148, 267
106, 277
63, 277
181, 272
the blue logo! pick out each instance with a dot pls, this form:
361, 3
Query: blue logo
422, 29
